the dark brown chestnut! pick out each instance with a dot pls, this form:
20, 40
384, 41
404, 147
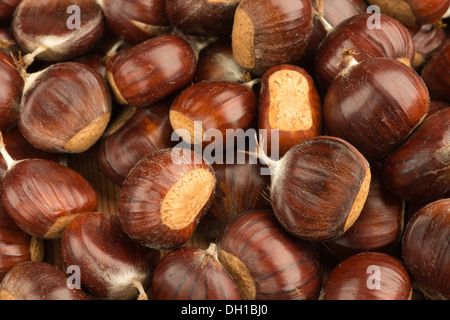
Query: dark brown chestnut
427, 40
319, 187
35, 280
290, 104
164, 197
11, 86
190, 273
111, 265
419, 169
365, 106
266, 262
151, 71
425, 249
145, 131
57, 30
368, 276
267, 33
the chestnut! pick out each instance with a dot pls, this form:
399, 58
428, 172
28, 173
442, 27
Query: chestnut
142, 132
391, 39
367, 108
319, 187
425, 175
7, 8
427, 41
136, 21
208, 107
267, 33
290, 104
112, 266
16, 246
190, 273
164, 197
151, 70
413, 12
45, 29
425, 249
266, 262
368, 276
36, 280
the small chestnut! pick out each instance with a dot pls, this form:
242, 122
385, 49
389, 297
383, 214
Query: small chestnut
427, 41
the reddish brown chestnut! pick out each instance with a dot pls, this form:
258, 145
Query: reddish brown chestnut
55, 30
164, 197
207, 107
112, 266
365, 105
425, 175
146, 131
368, 276
319, 187
427, 40
436, 73
290, 104
266, 262
190, 273
11, 86
425, 249
35, 280
16, 246
151, 71
267, 33
7, 8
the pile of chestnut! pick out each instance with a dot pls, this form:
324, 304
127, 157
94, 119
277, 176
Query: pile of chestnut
345, 197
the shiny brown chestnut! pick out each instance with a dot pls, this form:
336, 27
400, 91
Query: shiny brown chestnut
34, 280
425, 249
267, 33
42, 196
427, 40
136, 21
190, 273
49, 30
319, 187
135, 134
380, 225
390, 39
112, 266
290, 104
413, 12
7, 8
266, 262
368, 276
207, 108
164, 197
11, 86
436, 73
151, 71
372, 112
425, 175
16, 246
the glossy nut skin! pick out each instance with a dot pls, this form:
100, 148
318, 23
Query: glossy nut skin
425, 249
151, 71
427, 41
289, 103
39, 24
108, 259
164, 197
371, 112
358, 277
422, 176
436, 73
266, 262
42, 196
37, 281
11, 86
189, 273
391, 39
268, 33
56, 115
148, 130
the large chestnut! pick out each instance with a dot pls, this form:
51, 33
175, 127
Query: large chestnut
189, 273
164, 197
11, 86
365, 105
266, 262
425, 249
112, 266
267, 33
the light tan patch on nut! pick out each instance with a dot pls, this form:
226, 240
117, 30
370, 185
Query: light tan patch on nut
6, 295
243, 39
57, 229
360, 201
397, 9
181, 123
